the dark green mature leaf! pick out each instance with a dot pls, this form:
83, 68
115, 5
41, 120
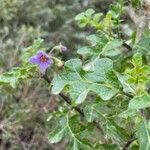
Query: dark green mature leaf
78, 144
101, 68
92, 111
127, 88
57, 135
129, 113
144, 135
112, 48
143, 46
80, 84
86, 51
107, 147
139, 102
65, 130
105, 47
115, 132
60, 131
97, 39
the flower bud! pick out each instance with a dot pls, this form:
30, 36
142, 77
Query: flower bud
58, 62
63, 48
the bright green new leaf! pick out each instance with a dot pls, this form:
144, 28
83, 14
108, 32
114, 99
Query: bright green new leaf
137, 59
8, 79
14, 76
97, 17
89, 12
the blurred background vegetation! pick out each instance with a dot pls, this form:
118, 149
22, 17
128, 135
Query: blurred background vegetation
24, 111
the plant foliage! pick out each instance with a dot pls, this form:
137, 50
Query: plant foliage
105, 88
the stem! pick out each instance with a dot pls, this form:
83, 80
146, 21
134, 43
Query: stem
51, 50
68, 101
129, 143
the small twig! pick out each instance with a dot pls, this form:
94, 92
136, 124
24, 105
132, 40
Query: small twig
2, 104
129, 143
68, 101
128, 94
127, 46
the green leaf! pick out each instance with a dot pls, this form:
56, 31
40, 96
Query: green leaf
78, 144
112, 48
143, 45
124, 82
106, 92
79, 83
82, 19
101, 68
107, 147
136, 3
80, 16
66, 129
60, 131
8, 79
89, 12
144, 135
85, 51
14, 76
128, 113
139, 102
102, 46
107, 22
92, 111
73, 65
96, 39
68, 76
97, 17
137, 59
116, 132
57, 135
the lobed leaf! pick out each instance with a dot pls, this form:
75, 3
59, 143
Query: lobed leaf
79, 83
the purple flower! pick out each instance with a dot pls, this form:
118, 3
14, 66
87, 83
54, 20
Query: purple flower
42, 60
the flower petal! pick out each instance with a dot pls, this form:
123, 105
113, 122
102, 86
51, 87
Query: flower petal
49, 61
34, 60
63, 48
40, 53
43, 67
